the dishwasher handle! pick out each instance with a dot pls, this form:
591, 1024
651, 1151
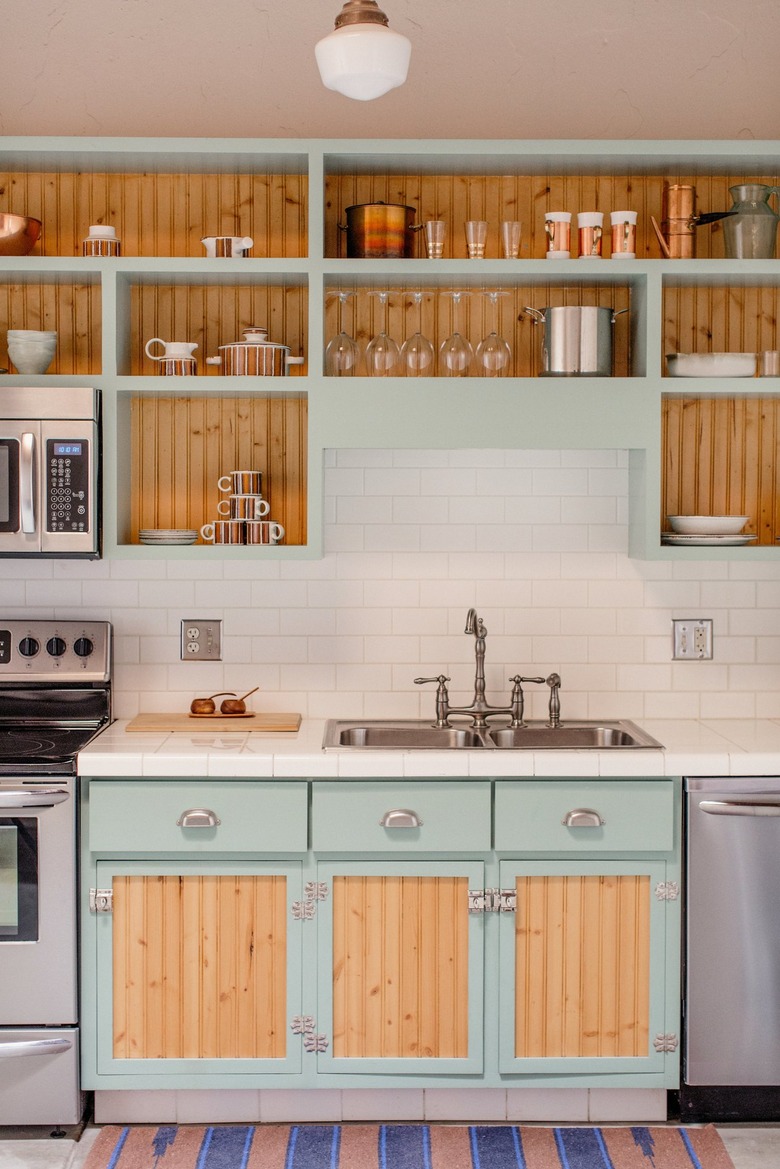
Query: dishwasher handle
738, 808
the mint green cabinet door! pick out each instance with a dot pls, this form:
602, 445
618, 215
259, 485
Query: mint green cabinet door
198, 971
400, 971
583, 968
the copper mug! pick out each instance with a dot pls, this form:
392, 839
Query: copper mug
224, 532
263, 532
242, 483
243, 507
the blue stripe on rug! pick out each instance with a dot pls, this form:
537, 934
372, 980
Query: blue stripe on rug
120, 1144
313, 1146
496, 1147
644, 1139
163, 1139
582, 1148
404, 1146
687, 1142
225, 1147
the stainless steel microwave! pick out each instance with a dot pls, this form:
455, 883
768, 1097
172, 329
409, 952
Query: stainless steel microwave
50, 472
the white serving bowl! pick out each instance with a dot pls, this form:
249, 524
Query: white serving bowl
711, 364
708, 525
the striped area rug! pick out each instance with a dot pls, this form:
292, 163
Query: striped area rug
405, 1146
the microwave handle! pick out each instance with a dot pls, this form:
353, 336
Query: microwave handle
27, 482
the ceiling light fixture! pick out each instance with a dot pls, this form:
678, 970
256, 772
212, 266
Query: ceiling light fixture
363, 58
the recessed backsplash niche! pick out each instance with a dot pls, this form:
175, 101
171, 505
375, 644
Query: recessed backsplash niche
536, 540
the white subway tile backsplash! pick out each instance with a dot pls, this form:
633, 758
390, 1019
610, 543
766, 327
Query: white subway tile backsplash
535, 540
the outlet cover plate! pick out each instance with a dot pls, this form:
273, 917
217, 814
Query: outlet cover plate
692, 639
201, 639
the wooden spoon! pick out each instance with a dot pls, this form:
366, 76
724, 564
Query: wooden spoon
236, 705
208, 705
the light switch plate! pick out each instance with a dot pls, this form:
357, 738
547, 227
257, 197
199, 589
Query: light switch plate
201, 639
692, 639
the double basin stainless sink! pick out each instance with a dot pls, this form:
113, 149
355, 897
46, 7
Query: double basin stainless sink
412, 735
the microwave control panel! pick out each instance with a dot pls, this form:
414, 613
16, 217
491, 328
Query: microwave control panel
67, 485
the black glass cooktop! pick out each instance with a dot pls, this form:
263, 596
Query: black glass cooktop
44, 750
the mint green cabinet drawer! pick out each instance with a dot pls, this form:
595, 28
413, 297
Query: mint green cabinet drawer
414, 816
555, 815
174, 816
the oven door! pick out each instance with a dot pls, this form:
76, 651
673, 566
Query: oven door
20, 500
37, 902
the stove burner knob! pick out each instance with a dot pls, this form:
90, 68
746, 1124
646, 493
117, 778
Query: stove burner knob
56, 647
28, 647
83, 647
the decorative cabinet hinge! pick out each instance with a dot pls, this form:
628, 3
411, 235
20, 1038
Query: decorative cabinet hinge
302, 1024
315, 891
667, 890
665, 1042
305, 1025
303, 909
101, 900
492, 901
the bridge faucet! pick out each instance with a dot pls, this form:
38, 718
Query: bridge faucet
479, 709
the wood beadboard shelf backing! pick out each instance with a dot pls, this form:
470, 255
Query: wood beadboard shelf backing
457, 198
212, 315
162, 214
721, 456
181, 446
437, 317
74, 311
712, 319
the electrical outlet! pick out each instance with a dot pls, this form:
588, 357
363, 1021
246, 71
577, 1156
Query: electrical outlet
201, 640
692, 639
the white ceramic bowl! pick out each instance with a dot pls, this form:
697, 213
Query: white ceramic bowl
708, 525
711, 364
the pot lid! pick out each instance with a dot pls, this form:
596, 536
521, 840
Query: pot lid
381, 203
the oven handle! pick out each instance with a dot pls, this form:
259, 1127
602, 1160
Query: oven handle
25, 797
27, 482
738, 808
34, 1047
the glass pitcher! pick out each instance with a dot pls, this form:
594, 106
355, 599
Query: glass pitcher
749, 231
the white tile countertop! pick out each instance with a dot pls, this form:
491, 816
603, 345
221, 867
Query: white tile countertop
691, 747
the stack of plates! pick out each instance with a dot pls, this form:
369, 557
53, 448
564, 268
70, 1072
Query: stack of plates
167, 535
709, 530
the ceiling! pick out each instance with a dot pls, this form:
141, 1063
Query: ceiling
483, 69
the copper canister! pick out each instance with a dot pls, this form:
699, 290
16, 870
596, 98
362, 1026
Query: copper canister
679, 211
380, 231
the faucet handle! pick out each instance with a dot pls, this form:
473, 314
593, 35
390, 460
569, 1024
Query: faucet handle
442, 697
554, 682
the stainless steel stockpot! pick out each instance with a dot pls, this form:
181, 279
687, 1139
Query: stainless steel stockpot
577, 340
255, 356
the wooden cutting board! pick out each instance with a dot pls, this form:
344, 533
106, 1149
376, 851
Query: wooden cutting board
214, 722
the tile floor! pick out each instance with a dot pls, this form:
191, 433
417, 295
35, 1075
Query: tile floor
750, 1146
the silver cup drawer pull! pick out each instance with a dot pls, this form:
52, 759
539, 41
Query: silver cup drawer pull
198, 818
583, 818
400, 818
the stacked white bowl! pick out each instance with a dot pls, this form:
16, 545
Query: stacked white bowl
31, 350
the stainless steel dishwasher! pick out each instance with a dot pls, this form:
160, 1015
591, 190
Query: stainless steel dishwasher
731, 1065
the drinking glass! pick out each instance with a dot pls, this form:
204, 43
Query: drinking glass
383, 354
417, 352
455, 352
342, 353
494, 356
476, 238
510, 238
434, 238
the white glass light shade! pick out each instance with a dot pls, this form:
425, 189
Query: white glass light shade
363, 61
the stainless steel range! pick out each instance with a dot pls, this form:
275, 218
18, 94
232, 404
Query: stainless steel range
55, 695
